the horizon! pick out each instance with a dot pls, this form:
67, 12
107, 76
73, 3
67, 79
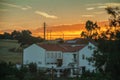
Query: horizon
67, 33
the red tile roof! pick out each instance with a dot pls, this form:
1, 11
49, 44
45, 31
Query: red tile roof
63, 48
81, 41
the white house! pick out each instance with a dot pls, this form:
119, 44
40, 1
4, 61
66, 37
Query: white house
85, 54
59, 56
34, 54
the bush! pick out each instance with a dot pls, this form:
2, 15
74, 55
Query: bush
95, 76
33, 68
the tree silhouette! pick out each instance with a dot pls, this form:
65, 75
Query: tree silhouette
84, 34
25, 38
15, 34
91, 30
7, 35
114, 13
107, 57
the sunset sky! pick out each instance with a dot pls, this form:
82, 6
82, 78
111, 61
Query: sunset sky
64, 17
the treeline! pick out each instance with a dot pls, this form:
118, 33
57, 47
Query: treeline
23, 37
107, 56
9, 71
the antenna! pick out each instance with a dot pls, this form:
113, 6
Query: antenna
44, 30
50, 34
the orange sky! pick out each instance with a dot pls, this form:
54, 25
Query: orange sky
65, 31
63, 17
59, 31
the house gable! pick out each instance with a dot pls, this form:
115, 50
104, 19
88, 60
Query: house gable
34, 54
33, 46
85, 54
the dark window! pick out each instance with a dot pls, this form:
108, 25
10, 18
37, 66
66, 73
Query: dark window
39, 62
75, 59
83, 69
83, 56
59, 62
90, 47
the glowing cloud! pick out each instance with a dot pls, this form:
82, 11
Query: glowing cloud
16, 6
90, 8
112, 4
109, 4
26, 8
87, 15
102, 7
94, 4
100, 12
46, 15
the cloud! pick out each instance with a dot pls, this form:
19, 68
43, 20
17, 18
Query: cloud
100, 7
3, 10
87, 15
96, 4
104, 4
16, 6
26, 8
113, 4
100, 12
46, 15
91, 8
109, 4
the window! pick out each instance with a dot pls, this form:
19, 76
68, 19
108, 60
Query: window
83, 69
55, 55
74, 56
59, 62
90, 47
48, 63
39, 62
48, 55
59, 55
89, 63
51, 55
83, 56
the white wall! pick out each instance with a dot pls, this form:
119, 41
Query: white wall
67, 58
87, 52
34, 54
52, 56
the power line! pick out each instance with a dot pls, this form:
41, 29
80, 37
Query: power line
49, 32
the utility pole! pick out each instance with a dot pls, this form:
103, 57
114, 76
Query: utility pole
44, 30
50, 34
63, 36
52, 73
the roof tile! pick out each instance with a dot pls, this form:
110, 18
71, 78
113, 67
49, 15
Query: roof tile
63, 48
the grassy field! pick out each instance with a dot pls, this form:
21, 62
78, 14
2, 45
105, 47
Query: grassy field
6, 55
